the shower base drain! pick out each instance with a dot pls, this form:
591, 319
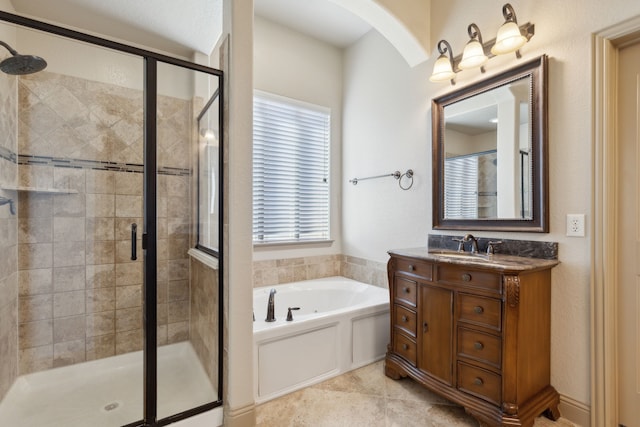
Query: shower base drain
111, 406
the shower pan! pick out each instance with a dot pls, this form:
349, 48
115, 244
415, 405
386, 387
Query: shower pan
105, 318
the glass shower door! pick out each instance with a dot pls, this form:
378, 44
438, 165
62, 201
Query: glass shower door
187, 289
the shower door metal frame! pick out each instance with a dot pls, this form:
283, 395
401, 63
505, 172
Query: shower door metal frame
149, 237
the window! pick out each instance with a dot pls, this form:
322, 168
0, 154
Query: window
290, 170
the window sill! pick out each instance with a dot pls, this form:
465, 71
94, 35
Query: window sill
312, 243
205, 258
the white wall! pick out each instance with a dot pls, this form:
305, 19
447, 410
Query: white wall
387, 127
296, 66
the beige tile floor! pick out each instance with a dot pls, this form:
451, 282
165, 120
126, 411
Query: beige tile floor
366, 397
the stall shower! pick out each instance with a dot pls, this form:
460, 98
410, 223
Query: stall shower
99, 325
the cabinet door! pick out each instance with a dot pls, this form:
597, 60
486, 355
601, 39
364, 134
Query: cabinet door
436, 332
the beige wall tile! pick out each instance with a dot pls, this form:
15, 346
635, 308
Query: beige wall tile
129, 273
177, 311
100, 205
100, 323
128, 296
68, 353
100, 276
177, 332
100, 252
34, 282
129, 341
68, 229
35, 359
129, 183
35, 205
128, 319
68, 329
161, 290
162, 335
128, 206
178, 248
68, 278
35, 334
69, 179
162, 313
35, 255
67, 254
178, 290
100, 228
178, 269
100, 299
98, 181
35, 230
38, 307
101, 346
69, 205
68, 304
35, 176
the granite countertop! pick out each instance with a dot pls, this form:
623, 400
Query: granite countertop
495, 262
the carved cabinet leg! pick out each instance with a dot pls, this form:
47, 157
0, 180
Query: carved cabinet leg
553, 413
391, 372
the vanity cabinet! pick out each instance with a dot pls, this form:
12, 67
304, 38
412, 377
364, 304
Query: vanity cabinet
478, 333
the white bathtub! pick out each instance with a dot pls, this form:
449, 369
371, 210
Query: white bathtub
342, 325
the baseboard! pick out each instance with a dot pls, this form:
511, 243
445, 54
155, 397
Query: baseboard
574, 411
244, 416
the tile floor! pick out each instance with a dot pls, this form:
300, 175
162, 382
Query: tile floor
366, 397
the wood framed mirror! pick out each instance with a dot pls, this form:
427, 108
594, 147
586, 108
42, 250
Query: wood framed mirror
489, 141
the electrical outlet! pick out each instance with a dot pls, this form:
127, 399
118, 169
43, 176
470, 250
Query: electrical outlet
575, 225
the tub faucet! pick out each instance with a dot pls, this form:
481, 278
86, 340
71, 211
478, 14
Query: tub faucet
271, 307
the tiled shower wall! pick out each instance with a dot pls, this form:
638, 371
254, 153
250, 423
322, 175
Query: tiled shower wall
279, 271
8, 236
80, 295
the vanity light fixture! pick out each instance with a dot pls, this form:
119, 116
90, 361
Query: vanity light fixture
443, 68
476, 53
509, 36
473, 54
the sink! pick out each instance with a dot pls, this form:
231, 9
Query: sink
462, 255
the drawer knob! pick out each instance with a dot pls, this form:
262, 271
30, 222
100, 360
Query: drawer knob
406, 290
405, 318
478, 381
478, 345
411, 267
405, 347
466, 277
478, 309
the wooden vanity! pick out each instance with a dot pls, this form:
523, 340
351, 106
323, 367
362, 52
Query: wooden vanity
475, 330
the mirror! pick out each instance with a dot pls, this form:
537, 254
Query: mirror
490, 153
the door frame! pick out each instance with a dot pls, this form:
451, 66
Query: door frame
604, 279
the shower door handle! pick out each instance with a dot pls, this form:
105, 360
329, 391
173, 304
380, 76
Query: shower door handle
134, 232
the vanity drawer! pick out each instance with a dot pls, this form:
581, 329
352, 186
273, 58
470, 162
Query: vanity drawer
466, 277
480, 383
405, 319
422, 269
480, 346
405, 347
480, 311
405, 291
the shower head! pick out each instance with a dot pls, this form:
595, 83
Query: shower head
21, 64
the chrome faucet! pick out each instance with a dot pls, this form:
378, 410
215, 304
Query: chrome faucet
271, 307
474, 242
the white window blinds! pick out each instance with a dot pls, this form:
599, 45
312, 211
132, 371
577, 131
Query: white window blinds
290, 170
461, 187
